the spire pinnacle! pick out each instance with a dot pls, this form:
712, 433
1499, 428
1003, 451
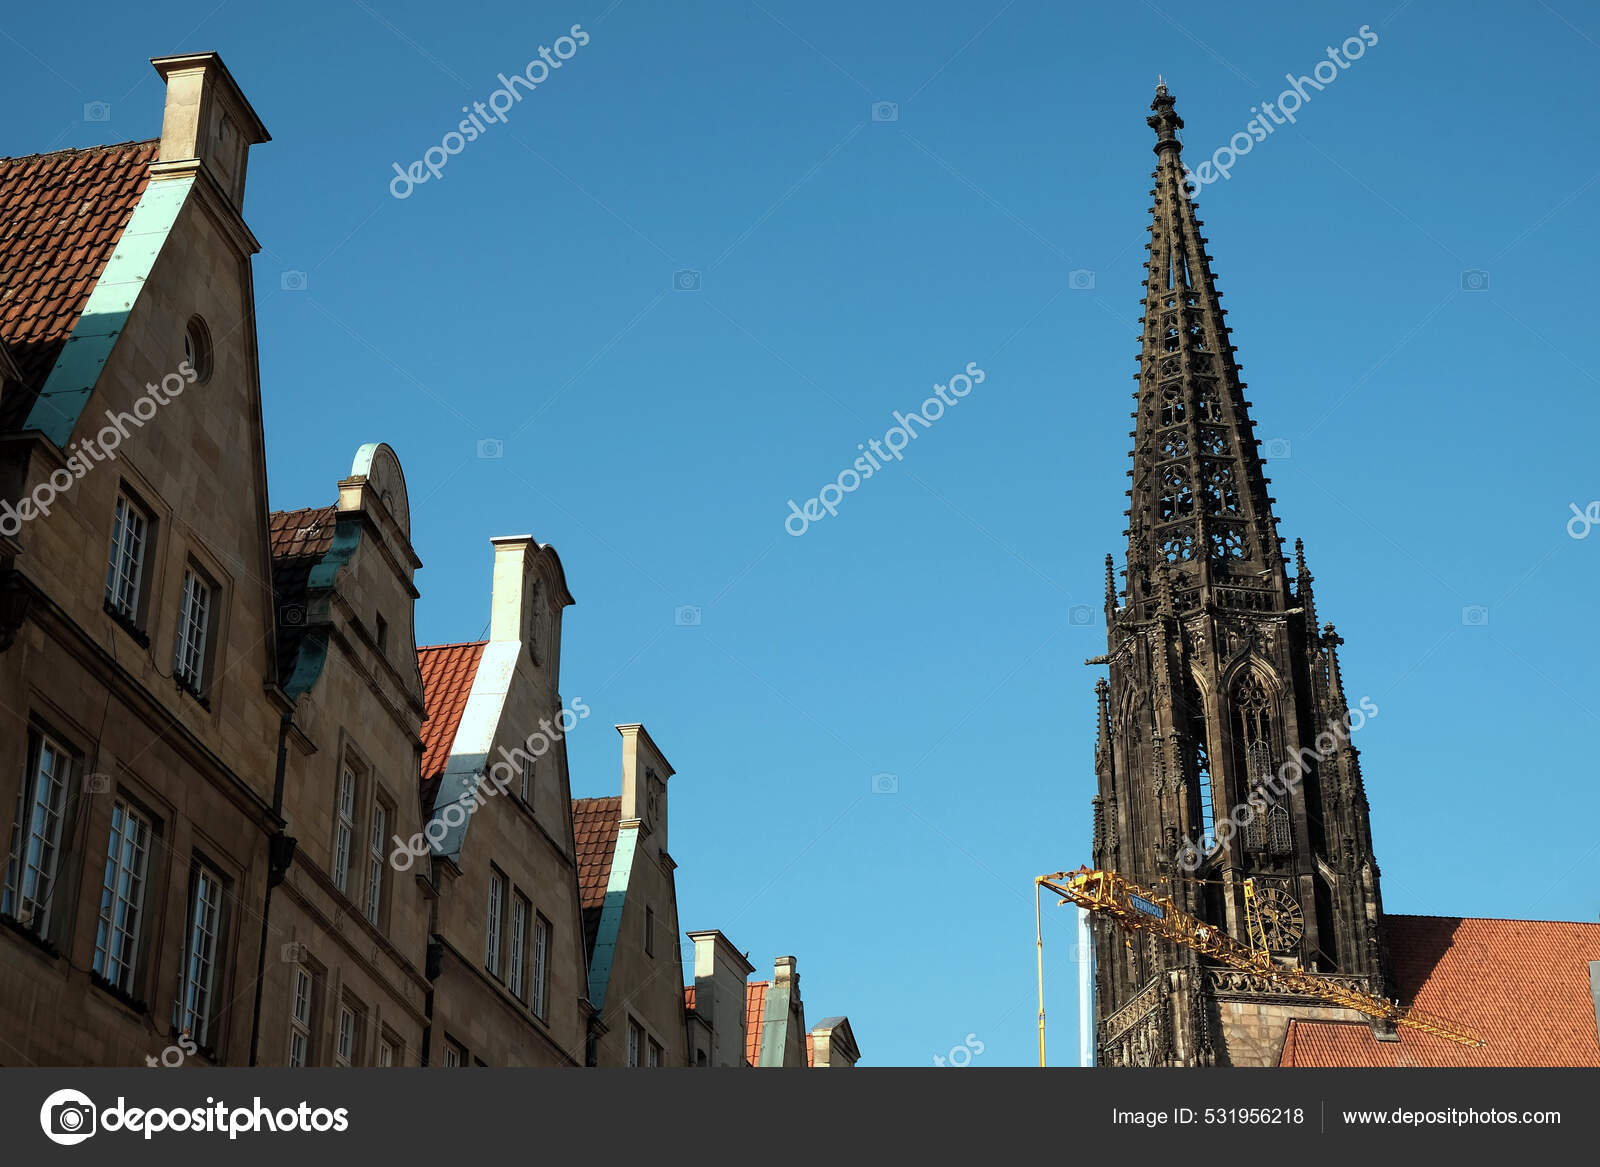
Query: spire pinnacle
1165, 120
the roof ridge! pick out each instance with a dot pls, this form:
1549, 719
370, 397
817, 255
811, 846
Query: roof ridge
104, 146
1488, 919
452, 644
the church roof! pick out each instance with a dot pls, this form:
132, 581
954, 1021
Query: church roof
61, 215
1523, 984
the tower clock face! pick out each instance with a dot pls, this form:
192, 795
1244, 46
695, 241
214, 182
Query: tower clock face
1281, 919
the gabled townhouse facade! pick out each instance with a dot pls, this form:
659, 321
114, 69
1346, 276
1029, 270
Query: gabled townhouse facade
343, 976
630, 907
136, 611
506, 951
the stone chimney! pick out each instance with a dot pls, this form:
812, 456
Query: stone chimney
645, 771
208, 127
720, 971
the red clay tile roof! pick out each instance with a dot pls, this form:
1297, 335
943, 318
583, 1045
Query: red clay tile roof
447, 673
755, 1002
1522, 984
60, 217
595, 824
298, 539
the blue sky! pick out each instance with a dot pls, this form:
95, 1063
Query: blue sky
1436, 430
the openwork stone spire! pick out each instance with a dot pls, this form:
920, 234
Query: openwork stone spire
1216, 752
1199, 500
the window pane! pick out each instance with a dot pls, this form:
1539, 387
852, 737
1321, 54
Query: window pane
519, 928
194, 616
36, 839
375, 861
491, 954
124, 570
344, 833
116, 947
541, 964
197, 987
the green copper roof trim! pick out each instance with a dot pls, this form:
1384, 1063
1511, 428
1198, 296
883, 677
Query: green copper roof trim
67, 390
313, 652
775, 1025
605, 940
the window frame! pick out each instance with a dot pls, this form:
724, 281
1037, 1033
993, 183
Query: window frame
304, 1028
344, 823
376, 901
196, 677
347, 1039
517, 934
121, 920
636, 1039
539, 967
19, 891
129, 610
193, 1015
494, 923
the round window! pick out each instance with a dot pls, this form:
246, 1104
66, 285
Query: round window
197, 348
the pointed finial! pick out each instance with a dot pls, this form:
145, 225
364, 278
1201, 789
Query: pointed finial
1164, 120
1111, 582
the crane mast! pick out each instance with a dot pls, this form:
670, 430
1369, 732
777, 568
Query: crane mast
1136, 908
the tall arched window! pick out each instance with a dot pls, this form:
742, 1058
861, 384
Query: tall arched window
1257, 739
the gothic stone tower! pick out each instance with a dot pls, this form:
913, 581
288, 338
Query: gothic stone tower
1218, 722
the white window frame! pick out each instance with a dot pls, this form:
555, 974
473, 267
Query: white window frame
653, 1053
541, 965
301, 1004
454, 1055
376, 861
344, 830
492, 932
194, 629
635, 1043
130, 541
36, 834
346, 1035
520, 910
197, 978
121, 926
386, 1052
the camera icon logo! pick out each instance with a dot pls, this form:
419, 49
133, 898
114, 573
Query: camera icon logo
1276, 448
686, 616
686, 281
1474, 280
1080, 615
1081, 280
97, 111
886, 784
293, 953
67, 1117
1475, 616
96, 783
885, 111
490, 449
293, 281
291, 615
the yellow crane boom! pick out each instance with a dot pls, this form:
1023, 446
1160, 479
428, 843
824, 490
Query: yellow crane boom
1135, 908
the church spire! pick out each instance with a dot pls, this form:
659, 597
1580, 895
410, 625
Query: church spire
1199, 501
